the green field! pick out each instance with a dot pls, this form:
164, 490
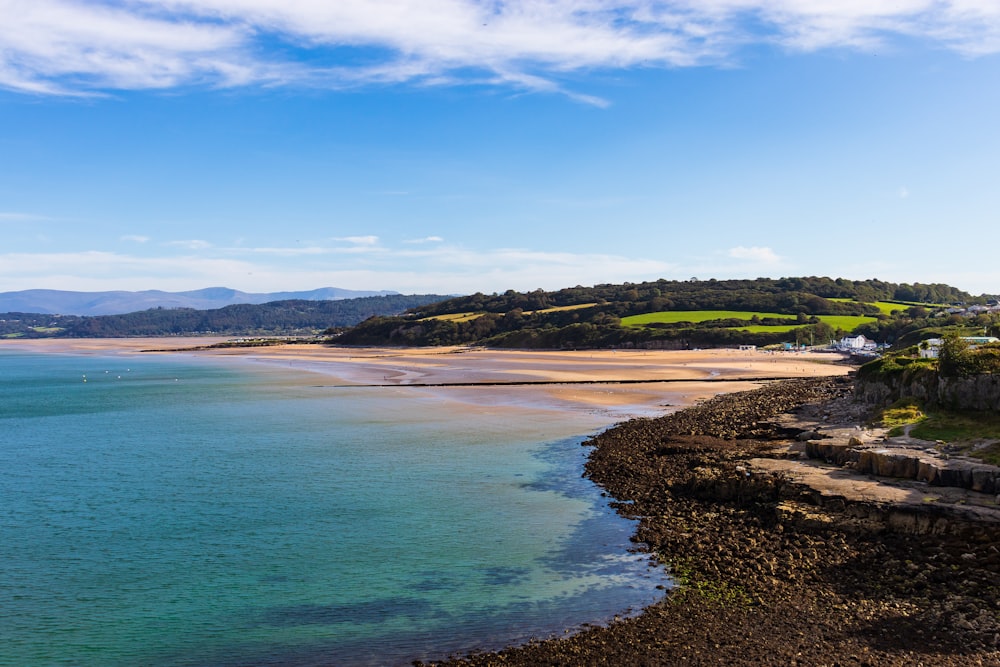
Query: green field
888, 307
694, 316
845, 322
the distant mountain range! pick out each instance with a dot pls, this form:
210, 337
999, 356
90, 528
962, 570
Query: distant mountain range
60, 302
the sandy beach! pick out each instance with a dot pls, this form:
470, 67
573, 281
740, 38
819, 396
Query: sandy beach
774, 572
609, 384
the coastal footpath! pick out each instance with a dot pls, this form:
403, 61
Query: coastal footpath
785, 560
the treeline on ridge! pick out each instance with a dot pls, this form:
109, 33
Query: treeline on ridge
787, 295
541, 319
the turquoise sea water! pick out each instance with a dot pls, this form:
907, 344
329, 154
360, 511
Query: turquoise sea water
171, 511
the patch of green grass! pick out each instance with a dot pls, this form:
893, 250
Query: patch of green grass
903, 412
694, 316
958, 427
895, 365
887, 307
846, 322
976, 434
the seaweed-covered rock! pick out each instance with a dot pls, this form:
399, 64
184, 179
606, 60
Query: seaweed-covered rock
768, 576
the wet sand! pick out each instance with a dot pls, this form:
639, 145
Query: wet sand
762, 585
609, 384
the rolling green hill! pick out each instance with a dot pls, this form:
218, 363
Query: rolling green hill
669, 314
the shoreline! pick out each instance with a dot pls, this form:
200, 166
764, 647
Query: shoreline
549, 380
611, 385
771, 570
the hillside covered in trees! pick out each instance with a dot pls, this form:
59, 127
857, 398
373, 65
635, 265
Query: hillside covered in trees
672, 314
293, 317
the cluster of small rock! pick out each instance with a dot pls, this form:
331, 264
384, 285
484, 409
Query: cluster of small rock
766, 576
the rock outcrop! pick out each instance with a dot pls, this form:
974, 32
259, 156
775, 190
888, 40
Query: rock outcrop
974, 392
924, 464
770, 570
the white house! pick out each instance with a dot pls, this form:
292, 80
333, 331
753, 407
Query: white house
854, 343
931, 348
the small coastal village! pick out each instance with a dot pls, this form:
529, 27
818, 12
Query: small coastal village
864, 348
929, 348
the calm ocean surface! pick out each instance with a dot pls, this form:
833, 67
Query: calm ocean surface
172, 511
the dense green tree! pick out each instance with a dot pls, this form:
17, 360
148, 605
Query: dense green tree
953, 355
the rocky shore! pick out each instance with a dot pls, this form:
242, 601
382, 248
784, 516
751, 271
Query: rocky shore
772, 570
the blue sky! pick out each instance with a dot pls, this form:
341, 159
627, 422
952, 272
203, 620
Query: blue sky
454, 146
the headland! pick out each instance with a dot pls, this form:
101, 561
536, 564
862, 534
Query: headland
783, 559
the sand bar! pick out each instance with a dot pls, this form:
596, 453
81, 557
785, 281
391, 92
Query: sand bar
655, 381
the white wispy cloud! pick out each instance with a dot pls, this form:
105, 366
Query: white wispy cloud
459, 271
426, 239
93, 46
135, 238
358, 240
285, 252
190, 244
437, 268
95, 270
759, 254
434, 268
357, 245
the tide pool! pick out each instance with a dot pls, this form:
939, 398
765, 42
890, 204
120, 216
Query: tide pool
167, 510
